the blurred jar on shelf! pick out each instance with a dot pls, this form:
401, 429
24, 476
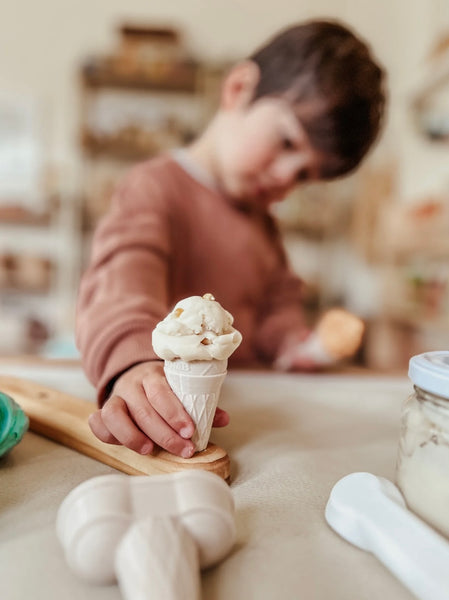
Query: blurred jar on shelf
32, 273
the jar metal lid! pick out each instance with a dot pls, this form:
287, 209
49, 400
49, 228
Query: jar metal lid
430, 372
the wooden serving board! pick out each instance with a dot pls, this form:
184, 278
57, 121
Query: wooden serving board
63, 418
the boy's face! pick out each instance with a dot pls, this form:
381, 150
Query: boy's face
263, 152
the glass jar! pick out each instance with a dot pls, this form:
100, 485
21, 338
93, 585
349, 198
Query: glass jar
422, 472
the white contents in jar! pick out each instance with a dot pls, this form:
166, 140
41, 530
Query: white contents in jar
423, 462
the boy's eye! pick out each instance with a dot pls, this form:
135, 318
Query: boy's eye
287, 144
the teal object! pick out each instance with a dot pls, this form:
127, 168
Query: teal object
13, 423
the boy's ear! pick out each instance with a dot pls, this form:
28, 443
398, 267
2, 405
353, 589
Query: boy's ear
239, 85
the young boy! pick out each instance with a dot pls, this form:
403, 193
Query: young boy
305, 107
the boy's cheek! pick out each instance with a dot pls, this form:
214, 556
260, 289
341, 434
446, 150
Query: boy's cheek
250, 159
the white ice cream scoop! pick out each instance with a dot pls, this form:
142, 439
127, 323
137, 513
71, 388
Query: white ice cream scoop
370, 512
198, 328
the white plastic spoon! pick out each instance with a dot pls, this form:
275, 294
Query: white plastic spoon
370, 512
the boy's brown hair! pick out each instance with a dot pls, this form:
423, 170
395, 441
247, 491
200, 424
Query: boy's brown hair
336, 86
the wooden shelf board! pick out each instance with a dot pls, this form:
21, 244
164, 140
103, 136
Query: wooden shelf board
106, 79
416, 320
18, 215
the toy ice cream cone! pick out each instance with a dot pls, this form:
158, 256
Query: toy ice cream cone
195, 340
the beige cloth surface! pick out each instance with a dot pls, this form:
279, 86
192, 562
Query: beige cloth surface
291, 438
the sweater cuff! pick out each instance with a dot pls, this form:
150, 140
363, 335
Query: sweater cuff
277, 332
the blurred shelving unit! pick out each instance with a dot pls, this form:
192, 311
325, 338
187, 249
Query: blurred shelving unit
430, 101
145, 97
39, 225
39, 270
407, 245
417, 278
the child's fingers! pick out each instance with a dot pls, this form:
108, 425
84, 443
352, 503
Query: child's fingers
295, 361
168, 406
303, 363
155, 427
143, 404
117, 421
221, 418
100, 430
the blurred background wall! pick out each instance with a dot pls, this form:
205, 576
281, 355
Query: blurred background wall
43, 47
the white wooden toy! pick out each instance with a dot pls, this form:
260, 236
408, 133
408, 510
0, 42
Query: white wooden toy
153, 534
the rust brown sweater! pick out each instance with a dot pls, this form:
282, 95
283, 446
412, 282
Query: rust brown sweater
166, 237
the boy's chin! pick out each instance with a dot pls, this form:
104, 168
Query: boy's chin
257, 201
268, 199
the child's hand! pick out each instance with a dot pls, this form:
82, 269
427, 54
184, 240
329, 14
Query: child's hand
338, 336
305, 355
143, 412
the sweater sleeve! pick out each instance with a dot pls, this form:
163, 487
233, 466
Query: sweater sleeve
124, 291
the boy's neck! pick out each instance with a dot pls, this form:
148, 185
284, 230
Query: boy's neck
185, 160
202, 156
